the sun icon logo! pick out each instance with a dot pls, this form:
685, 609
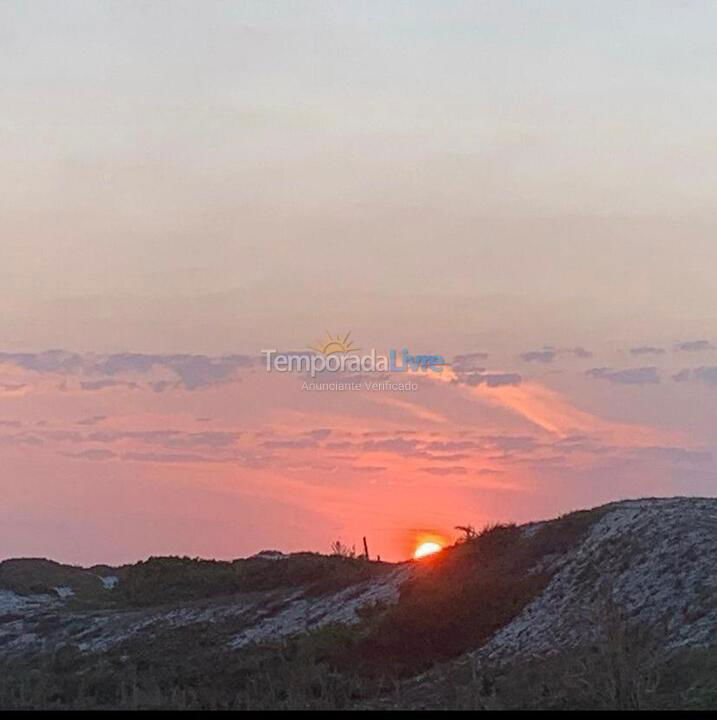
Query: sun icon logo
332, 345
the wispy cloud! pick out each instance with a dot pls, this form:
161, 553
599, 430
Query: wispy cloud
695, 346
706, 375
549, 354
630, 376
647, 350
193, 371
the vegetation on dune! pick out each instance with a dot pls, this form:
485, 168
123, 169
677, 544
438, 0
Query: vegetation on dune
415, 653
456, 601
164, 580
160, 580
27, 576
192, 668
464, 594
185, 668
624, 668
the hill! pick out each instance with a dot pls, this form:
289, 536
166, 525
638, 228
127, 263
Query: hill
612, 607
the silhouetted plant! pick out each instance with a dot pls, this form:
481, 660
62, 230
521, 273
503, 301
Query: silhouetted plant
339, 549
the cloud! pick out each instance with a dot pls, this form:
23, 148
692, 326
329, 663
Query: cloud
342, 445
452, 445
21, 440
95, 385
450, 470
63, 435
412, 409
579, 352
508, 443
466, 370
489, 379
92, 420
675, 454
167, 438
469, 362
392, 445
647, 350
57, 361
554, 413
94, 454
706, 375
215, 439
549, 354
194, 371
318, 434
631, 376
289, 444
454, 458
543, 356
163, 385
695, 346
13, 387
153, 457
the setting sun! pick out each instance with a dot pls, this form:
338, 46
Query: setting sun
427, 548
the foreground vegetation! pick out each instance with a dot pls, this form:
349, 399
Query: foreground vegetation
192, 669
416, 653
172, 580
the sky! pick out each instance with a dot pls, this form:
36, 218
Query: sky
525, 188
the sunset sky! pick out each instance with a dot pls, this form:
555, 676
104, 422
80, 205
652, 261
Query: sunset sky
526, 188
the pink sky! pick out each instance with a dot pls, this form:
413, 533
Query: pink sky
528, 184
113, 458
